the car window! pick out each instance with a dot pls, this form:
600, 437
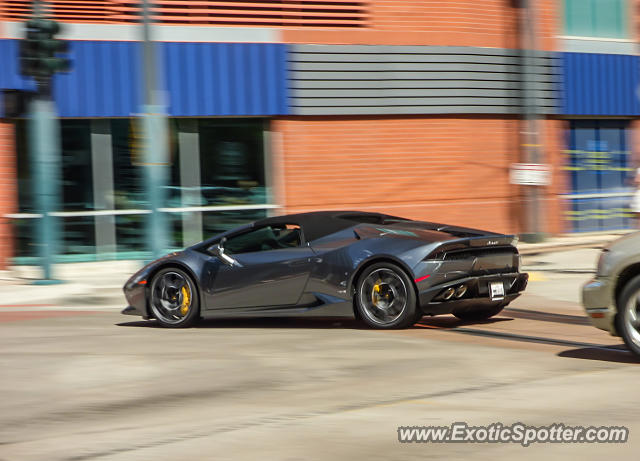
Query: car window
264, 239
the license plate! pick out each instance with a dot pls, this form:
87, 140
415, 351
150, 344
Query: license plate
496, 290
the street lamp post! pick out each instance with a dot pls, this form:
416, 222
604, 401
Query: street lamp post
43, 132
531, 139
155, 132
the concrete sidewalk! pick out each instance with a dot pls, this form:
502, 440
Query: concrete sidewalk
83, 285
570, 241
94, 284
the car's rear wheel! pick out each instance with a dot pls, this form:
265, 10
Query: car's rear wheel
173, 298
385, 297
628, 317
478, 314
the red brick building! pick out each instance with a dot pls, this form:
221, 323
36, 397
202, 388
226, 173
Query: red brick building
412, 108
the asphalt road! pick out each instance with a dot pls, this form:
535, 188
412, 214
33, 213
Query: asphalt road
90, 384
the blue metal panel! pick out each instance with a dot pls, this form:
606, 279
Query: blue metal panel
10, 77
225, 78
600, 84
201, 79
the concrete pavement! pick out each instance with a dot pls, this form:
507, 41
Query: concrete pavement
94, 385
86, 383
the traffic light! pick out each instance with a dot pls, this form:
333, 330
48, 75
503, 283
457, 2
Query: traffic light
29, 52
40, 49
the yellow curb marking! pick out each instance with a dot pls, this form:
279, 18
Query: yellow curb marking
537, 277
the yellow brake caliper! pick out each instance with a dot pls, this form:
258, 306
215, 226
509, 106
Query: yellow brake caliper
376, 292
186, 300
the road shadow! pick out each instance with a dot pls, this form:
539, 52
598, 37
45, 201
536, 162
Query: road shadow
542, 316
446, 322
316, 323
140, 323
581, 350
324, 323
616, 353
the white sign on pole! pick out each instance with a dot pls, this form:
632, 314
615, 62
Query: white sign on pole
530, 174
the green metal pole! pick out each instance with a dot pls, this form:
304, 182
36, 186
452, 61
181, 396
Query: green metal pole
44, 143
155, 132
156, 161
45, 153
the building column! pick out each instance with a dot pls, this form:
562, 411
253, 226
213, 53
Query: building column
275, 166
102, 172
8, 190
189, 147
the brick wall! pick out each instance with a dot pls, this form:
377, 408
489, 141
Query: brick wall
549, 22
487, 23
451, 169
2, 18
8, 198
635, 143
634, 19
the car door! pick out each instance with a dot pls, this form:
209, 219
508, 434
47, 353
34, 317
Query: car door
273, 273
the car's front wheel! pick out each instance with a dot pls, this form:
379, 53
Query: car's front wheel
628, 316
385, 297
173, 299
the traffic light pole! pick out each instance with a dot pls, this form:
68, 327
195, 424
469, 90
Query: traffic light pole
45, 152
155, 132
38, 59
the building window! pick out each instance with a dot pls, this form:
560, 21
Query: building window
128, 179
216, 179
596, 18
232, 162
77, 191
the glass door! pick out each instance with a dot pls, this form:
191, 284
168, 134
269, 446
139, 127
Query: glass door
598, 163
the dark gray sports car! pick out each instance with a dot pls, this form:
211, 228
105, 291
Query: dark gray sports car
384, 270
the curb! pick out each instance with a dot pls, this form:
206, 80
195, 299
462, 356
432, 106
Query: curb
72, 296
550, 248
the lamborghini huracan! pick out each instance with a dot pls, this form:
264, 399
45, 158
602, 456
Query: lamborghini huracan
385, 271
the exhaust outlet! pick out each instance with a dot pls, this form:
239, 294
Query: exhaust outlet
448, 293
461, 291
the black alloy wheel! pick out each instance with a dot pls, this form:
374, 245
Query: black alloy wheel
173, 298
385, 297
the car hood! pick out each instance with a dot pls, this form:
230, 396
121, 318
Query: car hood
630, 243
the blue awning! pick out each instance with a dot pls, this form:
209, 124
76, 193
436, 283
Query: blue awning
600, 84
201, 79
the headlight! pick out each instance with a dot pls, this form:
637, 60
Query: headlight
604, 262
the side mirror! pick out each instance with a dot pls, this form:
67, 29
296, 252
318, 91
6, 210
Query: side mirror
218, 250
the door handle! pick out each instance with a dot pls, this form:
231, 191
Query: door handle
299, 262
